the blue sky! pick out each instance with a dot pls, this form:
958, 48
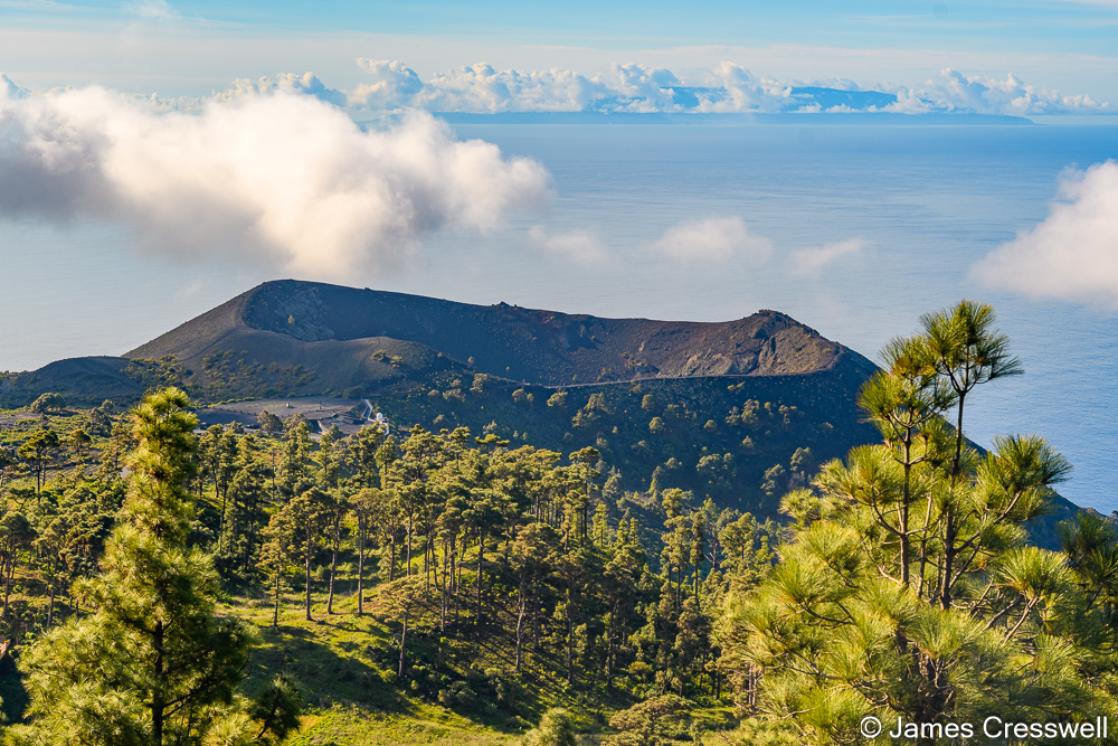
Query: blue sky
1025, 26
193, 47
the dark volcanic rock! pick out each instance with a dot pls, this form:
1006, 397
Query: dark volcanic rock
280, 321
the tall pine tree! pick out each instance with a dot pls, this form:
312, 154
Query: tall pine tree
153, 662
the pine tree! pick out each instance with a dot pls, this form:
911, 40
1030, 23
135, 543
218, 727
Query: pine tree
907, 587
364, 506
152, 663
966, 351
294, 466
307, 519
245, 517
16, 536
556, 728
277, 553
37, 451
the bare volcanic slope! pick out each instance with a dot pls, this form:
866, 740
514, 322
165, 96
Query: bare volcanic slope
738, 410
329, 338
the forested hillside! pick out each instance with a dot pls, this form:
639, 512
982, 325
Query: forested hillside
735, 410
467, 582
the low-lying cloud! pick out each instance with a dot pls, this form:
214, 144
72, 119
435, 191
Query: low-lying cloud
954, 91
712, 241
579, 246
728, 88
1073, 254
274, 173
307, 84
813, 260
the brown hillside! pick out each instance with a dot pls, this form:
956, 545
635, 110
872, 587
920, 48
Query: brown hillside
345, 335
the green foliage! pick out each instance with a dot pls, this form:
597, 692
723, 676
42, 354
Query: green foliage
152, 661
434, 585
47, 403
907, 589
556, 729
276, 709
269, 422
657, 721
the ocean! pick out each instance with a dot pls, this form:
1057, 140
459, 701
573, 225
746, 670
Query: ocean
928, 201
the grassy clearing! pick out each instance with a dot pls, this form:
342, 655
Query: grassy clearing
343, 666
338, 662
426, 725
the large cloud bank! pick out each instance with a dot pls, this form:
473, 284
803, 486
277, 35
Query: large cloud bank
269, 174
729, 88
1073, 254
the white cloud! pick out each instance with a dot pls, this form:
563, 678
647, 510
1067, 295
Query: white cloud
281, 178
1073, 254
475, 88
713, 240
746, 92
954, 91
811, 260
728, 88
482, 88
306, 84
393, 84
154, 10
577, 245
631, 87
478, 88
645, 89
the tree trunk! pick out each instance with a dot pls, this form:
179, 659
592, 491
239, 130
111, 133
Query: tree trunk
905, 499
360, 565
307, 578
157, 704
403, 644
427, 562
480, 568
333, 563
276, 599
442, 582
453, 566
407, 550
951, 529
520, 614
222, 526
570, 640
455, 575
9, 570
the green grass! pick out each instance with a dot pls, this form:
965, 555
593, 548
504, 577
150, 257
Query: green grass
343, 665
350, 696
426, 725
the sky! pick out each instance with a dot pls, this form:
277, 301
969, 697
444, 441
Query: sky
158, 156
191, 47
